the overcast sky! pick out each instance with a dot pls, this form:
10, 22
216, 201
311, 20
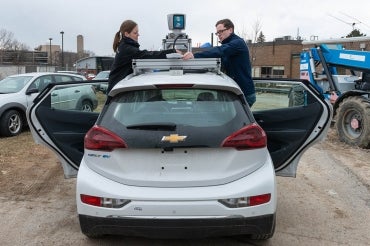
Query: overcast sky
33, 22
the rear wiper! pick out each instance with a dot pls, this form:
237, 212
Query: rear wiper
154, 126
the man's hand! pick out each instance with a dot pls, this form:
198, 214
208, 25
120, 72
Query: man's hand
187, 56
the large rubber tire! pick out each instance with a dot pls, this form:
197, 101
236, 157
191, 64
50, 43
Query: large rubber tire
296, 96
353, 121
11, 123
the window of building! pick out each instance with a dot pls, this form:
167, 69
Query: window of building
272, 72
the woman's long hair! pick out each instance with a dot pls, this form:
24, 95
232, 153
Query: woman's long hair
126, 26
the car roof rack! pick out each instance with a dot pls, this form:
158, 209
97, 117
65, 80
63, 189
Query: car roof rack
177, 66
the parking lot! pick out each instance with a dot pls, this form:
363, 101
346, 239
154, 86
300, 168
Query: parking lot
328, 203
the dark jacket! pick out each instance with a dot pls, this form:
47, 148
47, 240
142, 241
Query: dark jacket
235, 61
128, 49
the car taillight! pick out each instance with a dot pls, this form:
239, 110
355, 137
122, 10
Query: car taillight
260, 199
246, 201
103, 201
99, 138
249, 137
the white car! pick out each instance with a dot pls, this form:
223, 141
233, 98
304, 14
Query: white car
103, 76
178, 153
18, 91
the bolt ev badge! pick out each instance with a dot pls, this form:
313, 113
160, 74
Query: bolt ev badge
173, 138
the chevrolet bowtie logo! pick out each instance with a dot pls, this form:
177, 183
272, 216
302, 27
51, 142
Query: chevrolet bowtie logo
173, 138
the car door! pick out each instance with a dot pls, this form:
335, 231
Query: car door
292, 113
36, 86
294, 116
62, 129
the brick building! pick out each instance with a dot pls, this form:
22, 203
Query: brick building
281, 58
277, 59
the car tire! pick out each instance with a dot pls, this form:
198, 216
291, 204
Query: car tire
87, 106
296, 96
353, 121
11, 123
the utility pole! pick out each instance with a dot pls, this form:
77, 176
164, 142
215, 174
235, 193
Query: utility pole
62, 50
51, 61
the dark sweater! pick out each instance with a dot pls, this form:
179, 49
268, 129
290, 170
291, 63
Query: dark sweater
235, 61
128, 49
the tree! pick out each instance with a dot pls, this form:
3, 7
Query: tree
256, 37
257, 26
355, 33
8, 42
252, 37
261, 38
5, 39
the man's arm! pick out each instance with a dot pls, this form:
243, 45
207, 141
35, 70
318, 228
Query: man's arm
229, 49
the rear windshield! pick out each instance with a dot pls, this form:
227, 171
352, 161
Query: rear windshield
194, 111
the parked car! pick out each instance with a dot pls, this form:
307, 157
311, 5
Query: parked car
104, 76
90, 76
18, 91
179, 153
70, 72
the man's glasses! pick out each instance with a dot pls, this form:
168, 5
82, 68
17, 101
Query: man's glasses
221, 31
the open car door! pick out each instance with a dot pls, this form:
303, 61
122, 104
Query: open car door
292, 113
294, 116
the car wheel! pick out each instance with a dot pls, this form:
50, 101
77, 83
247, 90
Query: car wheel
11, 124
87, 106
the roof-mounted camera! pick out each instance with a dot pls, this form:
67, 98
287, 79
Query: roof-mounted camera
177, 39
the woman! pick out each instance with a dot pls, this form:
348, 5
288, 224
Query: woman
126, 46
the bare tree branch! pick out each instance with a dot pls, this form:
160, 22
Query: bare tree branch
8, 42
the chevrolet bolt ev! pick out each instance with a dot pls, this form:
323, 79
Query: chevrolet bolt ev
182, 154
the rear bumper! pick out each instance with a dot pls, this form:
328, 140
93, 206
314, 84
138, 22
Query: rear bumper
177, 228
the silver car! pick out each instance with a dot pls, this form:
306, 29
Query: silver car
18, 91
104, 76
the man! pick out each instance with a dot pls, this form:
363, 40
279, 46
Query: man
234, 56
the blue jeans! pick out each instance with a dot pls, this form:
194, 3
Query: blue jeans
251, 99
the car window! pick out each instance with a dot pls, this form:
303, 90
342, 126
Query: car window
278, 95
102, 75
65, 78
212, 113
191, 107
41, 82
80, 97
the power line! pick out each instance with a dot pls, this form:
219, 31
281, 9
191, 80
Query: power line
352, 23
359, 22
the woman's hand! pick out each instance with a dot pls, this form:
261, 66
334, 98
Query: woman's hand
187, 56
